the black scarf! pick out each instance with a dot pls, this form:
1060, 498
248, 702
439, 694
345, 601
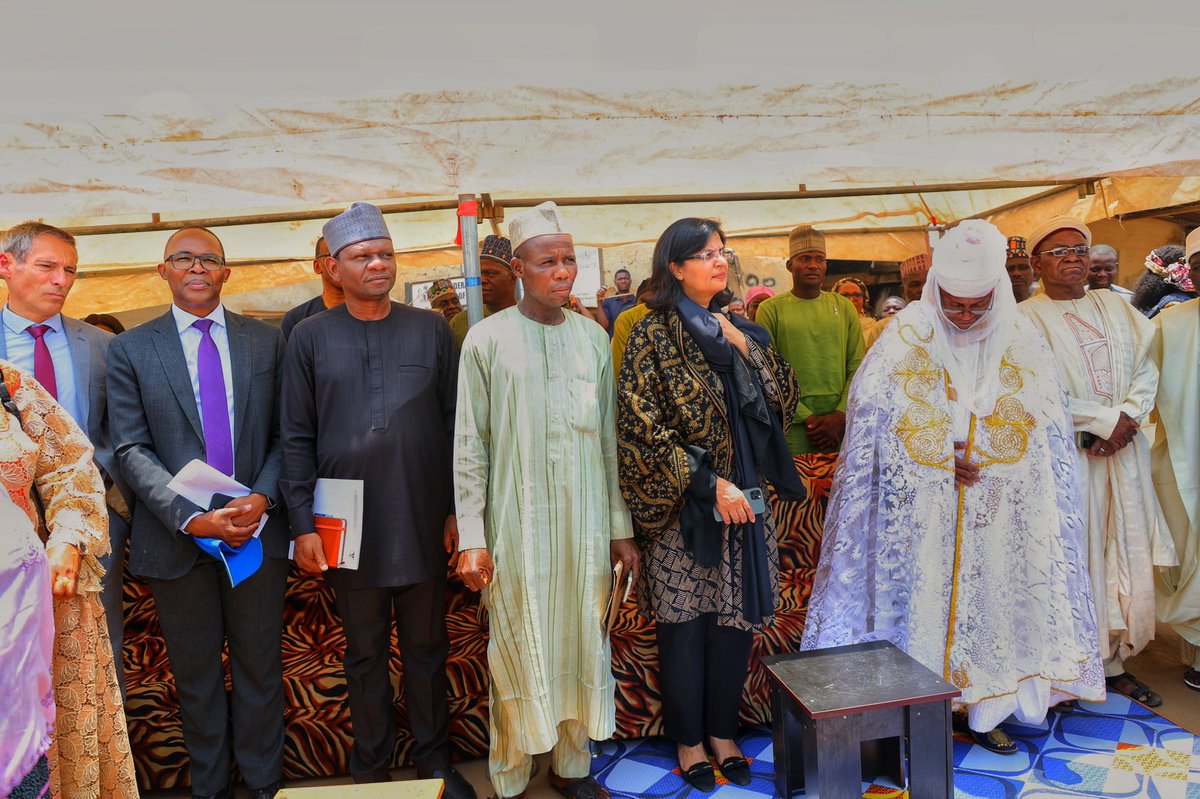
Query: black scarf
759, 447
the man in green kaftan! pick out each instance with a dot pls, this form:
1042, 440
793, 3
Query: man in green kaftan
540, 514
818, 333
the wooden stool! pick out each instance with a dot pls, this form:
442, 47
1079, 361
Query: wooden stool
827, 703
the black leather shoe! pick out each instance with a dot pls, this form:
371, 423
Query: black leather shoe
736, 769
224, 793
456, 785
266, 792
700, 776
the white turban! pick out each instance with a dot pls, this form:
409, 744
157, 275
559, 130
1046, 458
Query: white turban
969, 260
968, 263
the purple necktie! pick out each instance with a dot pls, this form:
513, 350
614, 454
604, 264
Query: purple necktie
43, 364
214, 410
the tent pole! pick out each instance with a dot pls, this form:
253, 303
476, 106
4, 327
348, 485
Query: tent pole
468, 226
158, 224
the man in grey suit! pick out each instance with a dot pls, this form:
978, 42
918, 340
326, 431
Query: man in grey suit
201, 382
67, 356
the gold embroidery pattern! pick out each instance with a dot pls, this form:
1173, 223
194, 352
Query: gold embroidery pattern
1008, 427
922, 427
959, 677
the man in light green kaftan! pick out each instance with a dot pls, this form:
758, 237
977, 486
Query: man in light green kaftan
540, 514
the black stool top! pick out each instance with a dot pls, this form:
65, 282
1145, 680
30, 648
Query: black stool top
856, 678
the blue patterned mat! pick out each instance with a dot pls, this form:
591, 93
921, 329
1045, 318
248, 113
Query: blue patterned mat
1114, 749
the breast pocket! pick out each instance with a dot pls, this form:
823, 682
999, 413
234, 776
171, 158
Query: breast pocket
586, 406
413, 379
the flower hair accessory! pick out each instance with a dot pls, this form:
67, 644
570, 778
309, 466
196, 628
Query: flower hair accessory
1174, 273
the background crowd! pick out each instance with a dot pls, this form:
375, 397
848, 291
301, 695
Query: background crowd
666, 431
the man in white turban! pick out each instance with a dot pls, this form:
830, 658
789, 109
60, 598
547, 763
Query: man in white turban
1101, 346
955, 528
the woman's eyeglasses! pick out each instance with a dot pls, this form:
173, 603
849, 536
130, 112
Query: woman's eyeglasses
708, 256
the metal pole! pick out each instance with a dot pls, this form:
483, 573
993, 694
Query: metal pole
158, 224
468, 225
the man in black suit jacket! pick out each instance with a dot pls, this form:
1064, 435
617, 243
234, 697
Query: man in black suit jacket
159, 375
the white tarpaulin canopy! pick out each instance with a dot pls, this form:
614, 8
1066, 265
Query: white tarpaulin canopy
225, 116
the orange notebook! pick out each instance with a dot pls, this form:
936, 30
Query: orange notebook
333, 538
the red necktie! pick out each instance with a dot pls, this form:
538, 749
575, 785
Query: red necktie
43, 365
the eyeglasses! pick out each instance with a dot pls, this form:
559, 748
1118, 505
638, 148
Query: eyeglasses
708, 256
185, 260
958, 309
1081, 251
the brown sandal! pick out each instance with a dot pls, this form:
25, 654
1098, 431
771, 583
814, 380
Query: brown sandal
579, 788
1126, 685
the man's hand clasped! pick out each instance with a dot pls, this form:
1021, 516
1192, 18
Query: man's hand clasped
1122, 436
234, 524
825, 432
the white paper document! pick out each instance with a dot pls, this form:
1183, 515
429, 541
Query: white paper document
197, 482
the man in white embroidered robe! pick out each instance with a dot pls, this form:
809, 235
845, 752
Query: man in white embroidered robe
955, 529
535, 479
1101, 345
1176, 351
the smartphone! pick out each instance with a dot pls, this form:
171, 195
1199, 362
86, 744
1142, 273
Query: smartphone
754, 496
1085, 440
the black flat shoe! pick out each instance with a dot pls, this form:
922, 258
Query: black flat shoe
736, 769
995, 741
700, 777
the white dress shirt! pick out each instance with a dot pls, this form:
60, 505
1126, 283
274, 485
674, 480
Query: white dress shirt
190, 337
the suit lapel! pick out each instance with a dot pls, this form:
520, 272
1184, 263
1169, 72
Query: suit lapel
170, 354
241, 361
3, 333
81, 365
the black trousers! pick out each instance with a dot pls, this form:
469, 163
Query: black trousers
702, 673
198, 613
420, 616
112, 591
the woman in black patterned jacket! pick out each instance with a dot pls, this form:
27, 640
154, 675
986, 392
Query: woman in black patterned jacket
703, 402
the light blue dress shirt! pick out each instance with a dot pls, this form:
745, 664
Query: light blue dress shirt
190, 338
19, 346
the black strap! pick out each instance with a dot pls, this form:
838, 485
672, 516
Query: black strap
6, 398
